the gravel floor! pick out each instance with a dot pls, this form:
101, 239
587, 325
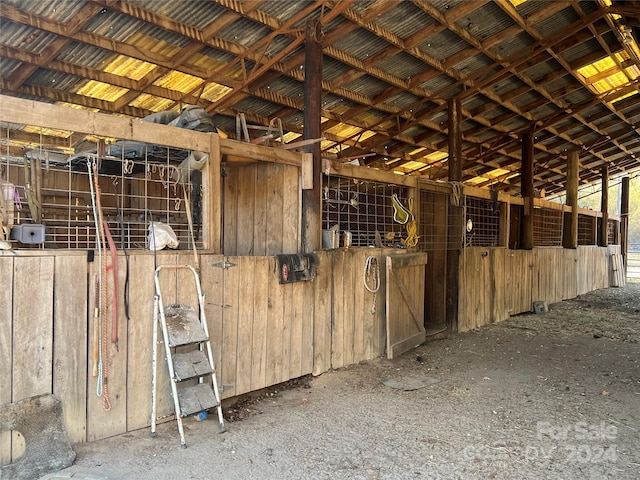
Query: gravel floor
538, 396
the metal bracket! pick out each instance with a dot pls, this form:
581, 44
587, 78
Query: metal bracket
224, 264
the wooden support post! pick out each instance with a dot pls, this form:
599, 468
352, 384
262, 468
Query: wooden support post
624, 222
572, 199
311, 199
456, 213
212, 177
603, 237
526, 189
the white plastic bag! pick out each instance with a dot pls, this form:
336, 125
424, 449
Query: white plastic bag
161, 235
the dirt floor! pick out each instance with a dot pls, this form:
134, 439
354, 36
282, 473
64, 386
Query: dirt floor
548, 396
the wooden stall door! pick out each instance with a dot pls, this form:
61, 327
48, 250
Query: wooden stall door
405, 302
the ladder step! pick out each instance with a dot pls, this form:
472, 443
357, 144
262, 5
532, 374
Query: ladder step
183, 325
196, 399
191, 365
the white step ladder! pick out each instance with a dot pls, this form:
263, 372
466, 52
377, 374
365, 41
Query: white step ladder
182, 327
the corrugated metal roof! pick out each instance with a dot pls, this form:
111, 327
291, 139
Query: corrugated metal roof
244, 32
196, 14
472, 64
63, 81
25, 38
367, 86
85, 55
59, 11
361, 44
557, 22
403, 100
402, 65
404, 20
7, 67
443, 45
340, 74
113, 25
485, 21
513, 44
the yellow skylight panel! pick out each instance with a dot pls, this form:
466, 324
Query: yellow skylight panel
411, 166
416, 151
436, 156
497, 172
150, 102
128, 67
102, 91
214, 91
621, 97
476, 180
182, 82
49, 132
515, 3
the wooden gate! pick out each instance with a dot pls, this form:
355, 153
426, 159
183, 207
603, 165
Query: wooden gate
405, 302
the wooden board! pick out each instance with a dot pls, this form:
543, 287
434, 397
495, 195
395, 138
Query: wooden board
322, 314
70, 359
6, 348
617, 271
258, 367
405, 302
234, 292
102, 423
246, 271
32, 331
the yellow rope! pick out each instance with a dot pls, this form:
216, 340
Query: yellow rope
412, 229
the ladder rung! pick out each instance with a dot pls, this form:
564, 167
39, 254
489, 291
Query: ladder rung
196, 399
183, 325
190, 365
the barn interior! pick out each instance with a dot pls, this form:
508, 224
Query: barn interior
349, 179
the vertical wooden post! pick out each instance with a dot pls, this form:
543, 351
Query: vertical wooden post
572, 199
456, 212
311, 199
603, 237
526, 189
212, 231
624, 222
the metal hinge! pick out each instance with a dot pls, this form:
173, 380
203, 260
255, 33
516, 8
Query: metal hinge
224, 264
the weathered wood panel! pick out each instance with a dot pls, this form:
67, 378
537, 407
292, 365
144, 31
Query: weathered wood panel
496, 282
262, 205
6, 348
70, 327
322, 313
405, 302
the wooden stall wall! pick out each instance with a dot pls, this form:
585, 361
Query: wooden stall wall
263, 333
261, 209
497, 282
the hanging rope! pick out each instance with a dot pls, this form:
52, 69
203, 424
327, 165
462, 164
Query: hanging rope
412, 229
371, 279
102, 325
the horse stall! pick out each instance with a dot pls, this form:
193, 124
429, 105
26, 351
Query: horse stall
377, 287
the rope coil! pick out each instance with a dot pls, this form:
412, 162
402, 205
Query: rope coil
371, 279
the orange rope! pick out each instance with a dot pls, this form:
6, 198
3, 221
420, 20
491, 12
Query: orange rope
106, 404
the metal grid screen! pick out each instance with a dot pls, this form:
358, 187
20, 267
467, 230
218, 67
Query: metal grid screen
482, 222
362, 208
132, 193
547, 227
612, 232
586, 230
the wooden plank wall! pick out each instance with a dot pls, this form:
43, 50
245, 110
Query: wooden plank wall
496, 282
262, 209
263, 333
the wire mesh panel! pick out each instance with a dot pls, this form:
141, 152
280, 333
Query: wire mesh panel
482, 219
586, 230
547, 227
132, 193
613, 230
362, 208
